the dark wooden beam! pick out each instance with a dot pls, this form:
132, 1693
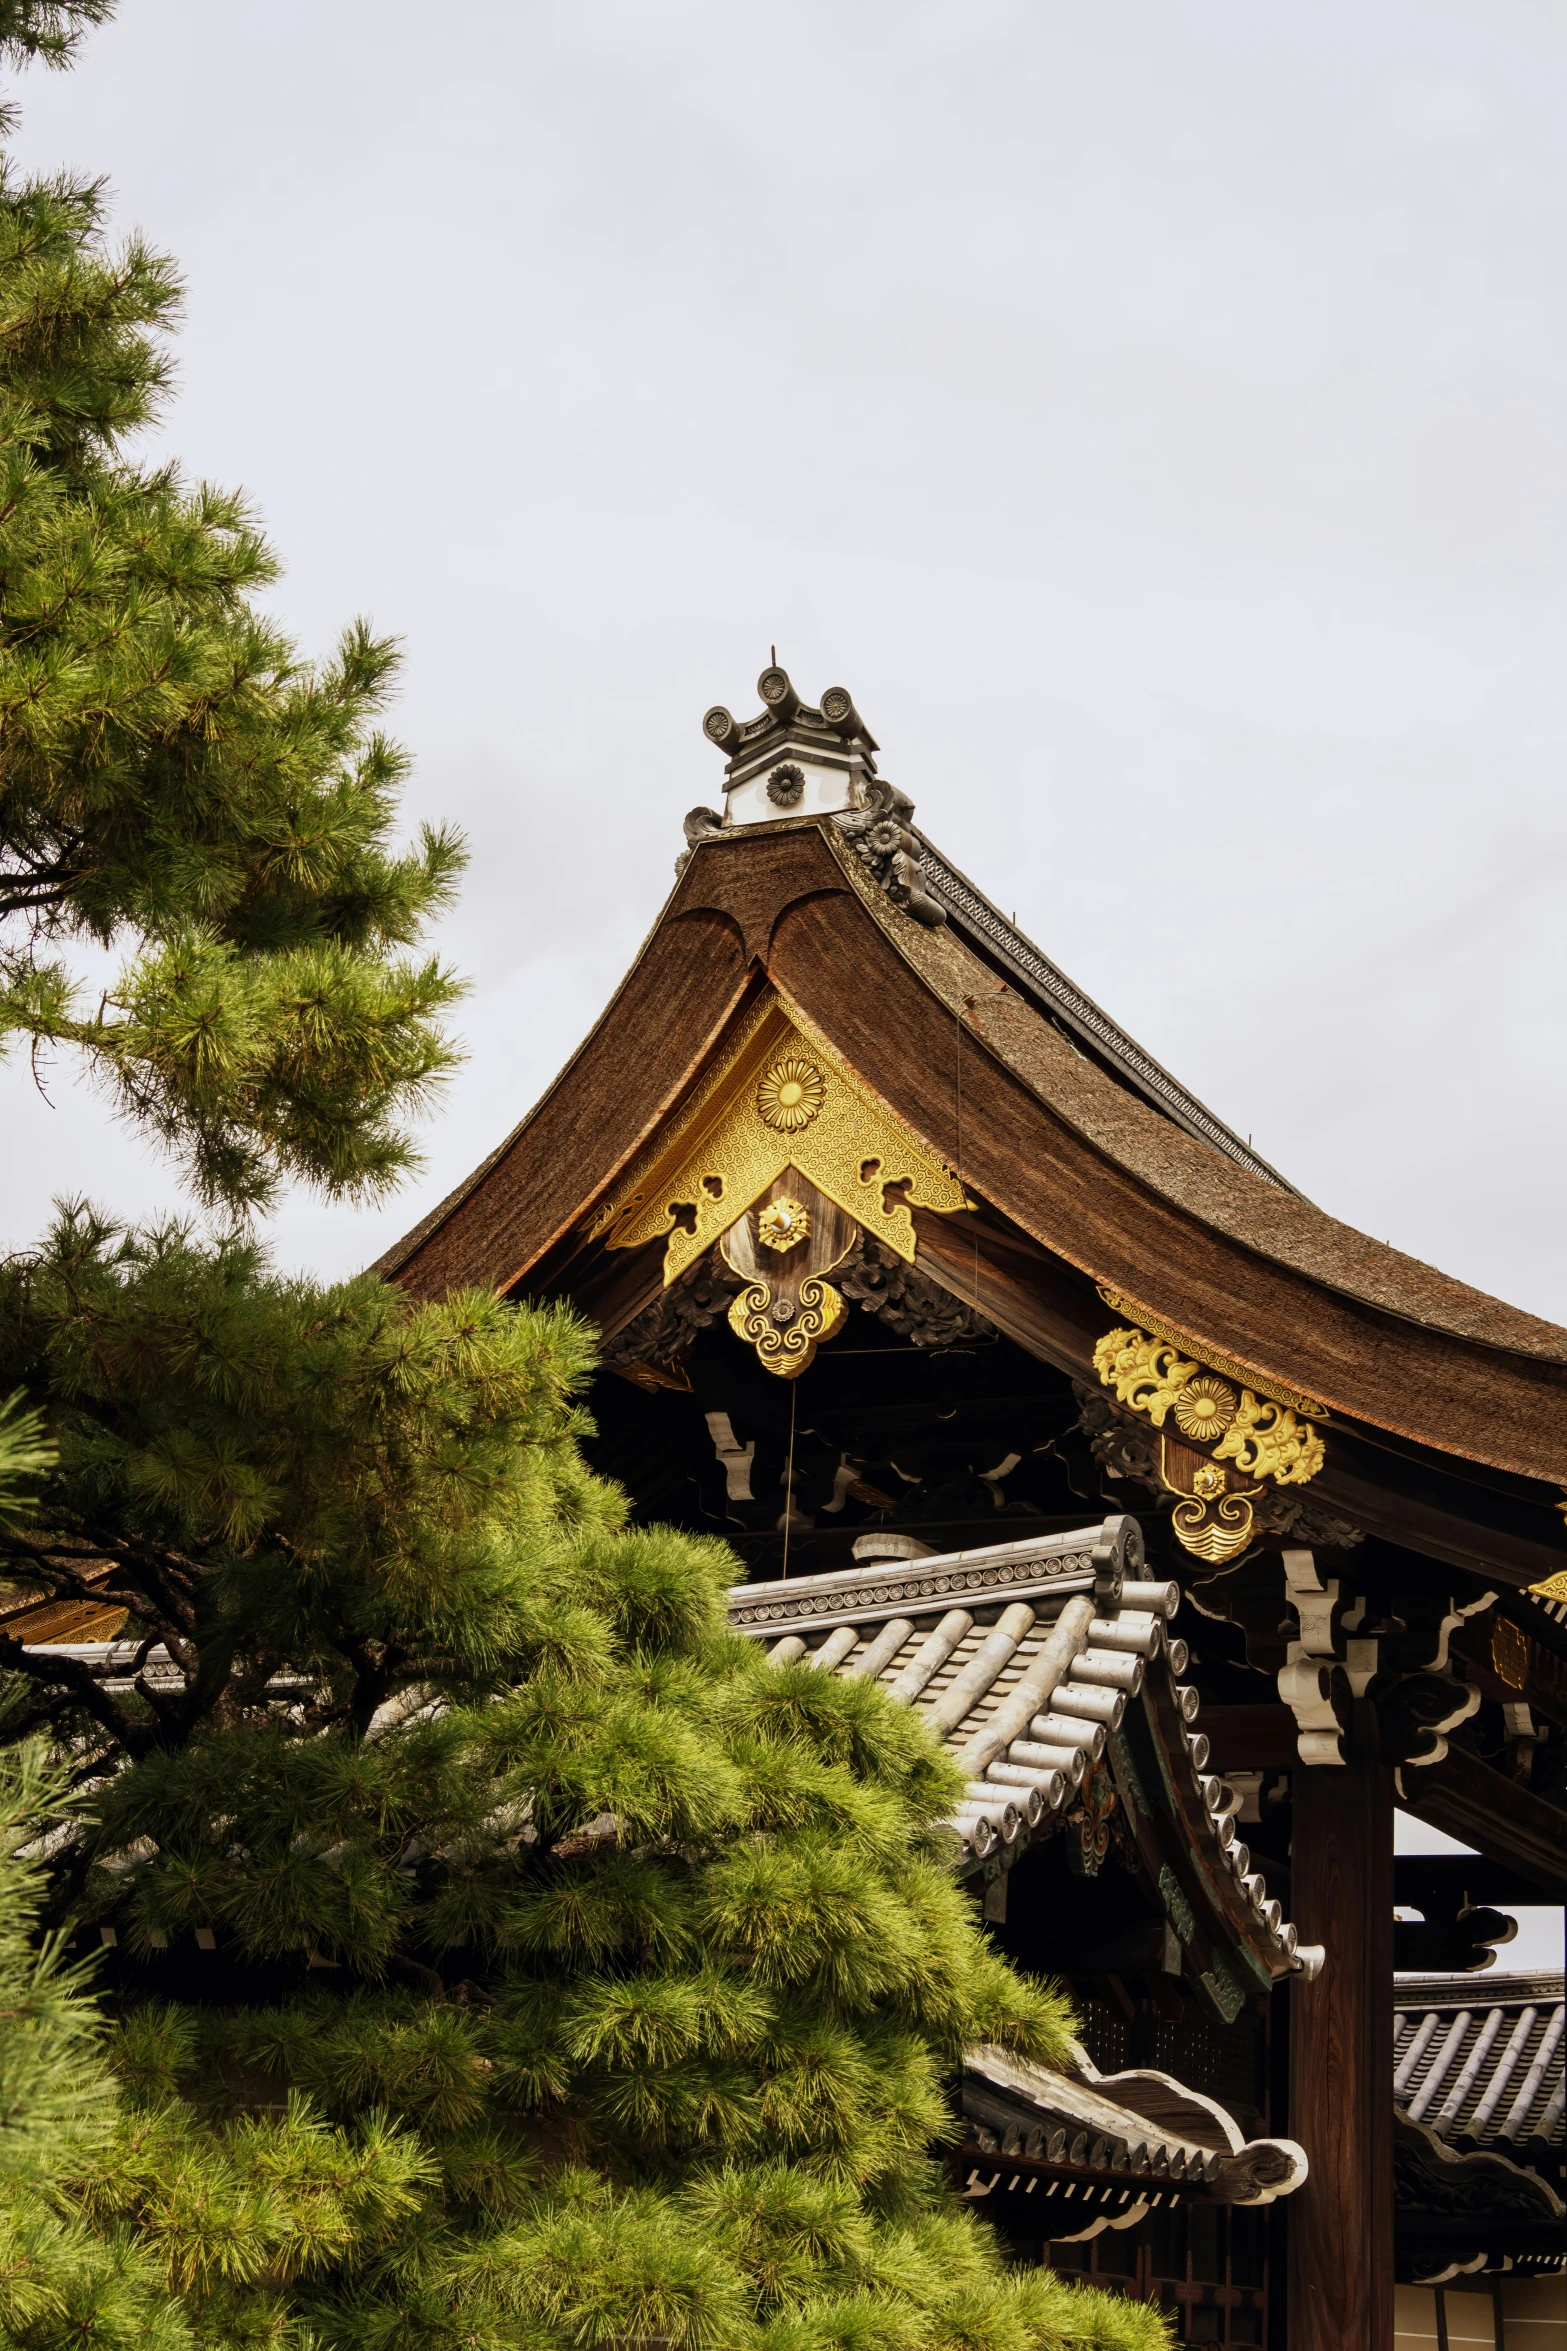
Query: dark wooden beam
1341, 2052
1250, 1738
1485, 1808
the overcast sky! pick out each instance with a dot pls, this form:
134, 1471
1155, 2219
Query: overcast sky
1156, 416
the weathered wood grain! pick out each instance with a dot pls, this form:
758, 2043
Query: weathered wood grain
1341, 2053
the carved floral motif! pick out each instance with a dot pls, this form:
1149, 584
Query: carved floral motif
908, 1300
1262, 1438
1214, 1516
783, 1224
882, 838
1267, 1441
1146, 1373
789, 1095
1204, 1409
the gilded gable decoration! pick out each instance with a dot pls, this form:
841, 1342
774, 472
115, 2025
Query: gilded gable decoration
1224, 1415
779, 1100
783, 1252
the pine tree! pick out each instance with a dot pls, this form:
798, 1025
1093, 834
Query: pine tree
60, 2282
572, 1978
576, 1977
175, 781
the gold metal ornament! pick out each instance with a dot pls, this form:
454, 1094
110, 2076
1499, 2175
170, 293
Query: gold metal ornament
783, 1251
1204, 1409
728, 1146
1146, 1373
1267, 1441
1242, 1375
1554, 1586
1509, 1654
783, 1224
1266, 1437
787, 1347
1262, 1437
1211, 1522
790, 1095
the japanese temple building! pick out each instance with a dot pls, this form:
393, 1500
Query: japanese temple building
1203, 1529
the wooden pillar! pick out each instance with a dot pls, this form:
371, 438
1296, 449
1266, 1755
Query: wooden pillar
1341, 2052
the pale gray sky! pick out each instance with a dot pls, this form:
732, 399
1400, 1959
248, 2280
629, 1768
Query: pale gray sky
1154, 415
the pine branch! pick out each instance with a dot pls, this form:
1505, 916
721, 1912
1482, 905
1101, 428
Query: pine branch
49, 30
77, 1679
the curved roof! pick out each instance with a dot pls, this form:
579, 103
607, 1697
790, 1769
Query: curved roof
1040, 1663
986, 929
1141, 2131
1481, 2064
1063, 1150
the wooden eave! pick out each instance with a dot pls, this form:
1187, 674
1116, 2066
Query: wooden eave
1084, 1183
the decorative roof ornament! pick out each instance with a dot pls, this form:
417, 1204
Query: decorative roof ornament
797, 761
783, 1224
778, 1100
789, 1095
882, 837
1267, 1436
794, 761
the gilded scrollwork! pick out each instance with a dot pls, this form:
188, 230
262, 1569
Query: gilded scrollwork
786, 1335
1146, 1373
1262, 1438
1221, 1420
1267, 1441
1243, 1377
1211, 1522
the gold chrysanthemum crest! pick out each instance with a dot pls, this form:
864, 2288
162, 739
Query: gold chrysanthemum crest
1262, 1438
789, 1095
1204, 1409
